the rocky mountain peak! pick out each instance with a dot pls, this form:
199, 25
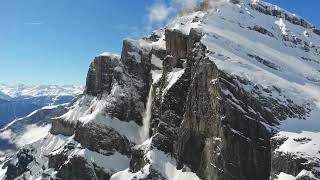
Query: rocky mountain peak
99, 79
214, 95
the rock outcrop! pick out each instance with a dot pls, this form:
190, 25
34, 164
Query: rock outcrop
99, 78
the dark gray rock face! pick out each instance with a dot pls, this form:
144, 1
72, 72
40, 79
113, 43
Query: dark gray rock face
99, 78
100, 138
136, 59
78, 168
265, 62
225, 148
261, 30
59, 126
176, 43
15, 169
287, 163
316, 31
201, 126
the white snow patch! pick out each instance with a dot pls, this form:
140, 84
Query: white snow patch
282, 26
304, 173
284, 176
172, 78
162, 163
114, 163
156, 61
3, 172
167, 166
156, 75
305, 144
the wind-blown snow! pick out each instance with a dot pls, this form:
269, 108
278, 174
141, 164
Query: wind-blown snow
31, 134
172, 78
147, 117
186, 23
282, 26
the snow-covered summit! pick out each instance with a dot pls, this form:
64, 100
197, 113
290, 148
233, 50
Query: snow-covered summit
265, 45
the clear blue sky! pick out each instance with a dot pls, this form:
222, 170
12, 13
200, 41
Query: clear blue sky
54, 41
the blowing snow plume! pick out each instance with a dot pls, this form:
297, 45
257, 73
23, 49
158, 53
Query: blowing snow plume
189, 6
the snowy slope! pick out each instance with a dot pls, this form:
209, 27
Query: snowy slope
273, 61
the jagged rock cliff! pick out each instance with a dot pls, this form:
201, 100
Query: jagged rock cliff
219, 94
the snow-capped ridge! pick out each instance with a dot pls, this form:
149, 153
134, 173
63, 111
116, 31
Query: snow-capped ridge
40, 90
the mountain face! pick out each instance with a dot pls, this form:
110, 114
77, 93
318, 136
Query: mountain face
19, 101
227, 92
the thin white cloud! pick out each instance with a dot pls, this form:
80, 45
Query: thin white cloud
34, 23
159, 12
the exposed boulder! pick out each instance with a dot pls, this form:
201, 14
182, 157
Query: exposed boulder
80, 169
20, 165
101, 139
261, 30
60, 126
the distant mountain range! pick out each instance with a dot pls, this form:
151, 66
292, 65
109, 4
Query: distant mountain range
19, 101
